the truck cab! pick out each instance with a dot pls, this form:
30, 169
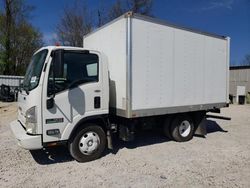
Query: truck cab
63, 86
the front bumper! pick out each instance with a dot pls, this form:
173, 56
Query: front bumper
30, 142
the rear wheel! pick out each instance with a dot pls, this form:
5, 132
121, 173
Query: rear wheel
182, 128
88, 144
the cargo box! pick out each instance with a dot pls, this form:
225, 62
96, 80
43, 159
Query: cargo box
160, 68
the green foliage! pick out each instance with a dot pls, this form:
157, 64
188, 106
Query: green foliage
18, 38
2, 64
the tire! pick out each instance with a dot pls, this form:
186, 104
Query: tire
166, 128
182, 128
88, 143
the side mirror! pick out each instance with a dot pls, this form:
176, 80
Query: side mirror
58, 68
56, 72
50, 103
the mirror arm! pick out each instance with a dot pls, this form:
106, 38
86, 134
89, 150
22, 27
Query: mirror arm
57, 55
50, 101
53, 72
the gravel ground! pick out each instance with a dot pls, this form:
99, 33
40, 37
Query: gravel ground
222, 159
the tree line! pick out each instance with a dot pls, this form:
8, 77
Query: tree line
19, 38
77, 20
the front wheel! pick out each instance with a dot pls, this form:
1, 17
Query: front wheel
88, 144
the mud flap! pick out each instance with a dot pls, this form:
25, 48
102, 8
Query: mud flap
201, 128
109, 139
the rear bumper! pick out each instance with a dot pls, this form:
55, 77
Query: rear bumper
30, 142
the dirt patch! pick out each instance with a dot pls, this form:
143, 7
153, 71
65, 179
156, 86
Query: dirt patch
222, 159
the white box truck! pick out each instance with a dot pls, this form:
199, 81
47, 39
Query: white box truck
133, 72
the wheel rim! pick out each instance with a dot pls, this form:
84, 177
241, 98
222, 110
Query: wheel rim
89, 143
184, 128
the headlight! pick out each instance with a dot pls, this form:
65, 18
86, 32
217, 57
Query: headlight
31, 120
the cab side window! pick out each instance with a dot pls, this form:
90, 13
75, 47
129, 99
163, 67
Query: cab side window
77, 68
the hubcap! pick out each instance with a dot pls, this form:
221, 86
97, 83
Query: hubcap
184, 128
89, 143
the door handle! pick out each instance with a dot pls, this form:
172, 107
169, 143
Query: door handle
97, 91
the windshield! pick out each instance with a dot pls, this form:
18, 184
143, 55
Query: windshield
33, 73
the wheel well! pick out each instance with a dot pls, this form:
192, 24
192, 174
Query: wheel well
196, 117
98, 120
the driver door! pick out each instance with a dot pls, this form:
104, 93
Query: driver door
74, 84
